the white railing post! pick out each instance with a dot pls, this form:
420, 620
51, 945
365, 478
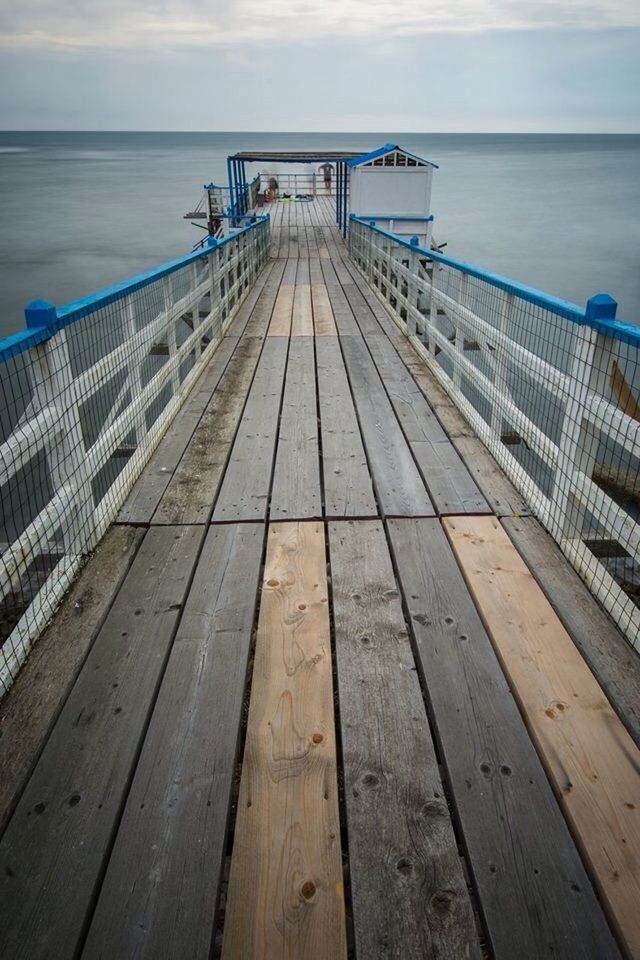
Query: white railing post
412, 290
576, 455
501, 387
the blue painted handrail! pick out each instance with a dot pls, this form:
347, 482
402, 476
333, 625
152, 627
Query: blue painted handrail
43, 319
599, 312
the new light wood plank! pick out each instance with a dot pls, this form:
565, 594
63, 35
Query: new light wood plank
285, 890
53, 850
348, 490
190, 495
591, 759
296, 493
280, 325
244, 494
302, 320
399, 487
533, 891
30, 709
160, 893
324, 324
408, 891
608, 653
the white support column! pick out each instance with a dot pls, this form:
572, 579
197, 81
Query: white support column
500, 384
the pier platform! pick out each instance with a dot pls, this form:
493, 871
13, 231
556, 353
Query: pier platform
325, 690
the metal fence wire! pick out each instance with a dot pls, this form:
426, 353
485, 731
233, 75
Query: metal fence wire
86, 393
552, 389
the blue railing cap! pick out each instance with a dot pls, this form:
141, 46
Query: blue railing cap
600, 315
43, 319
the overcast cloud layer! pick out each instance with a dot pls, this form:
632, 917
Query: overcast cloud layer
344, 65
128, 24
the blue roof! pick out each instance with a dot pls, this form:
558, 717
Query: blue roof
380, 152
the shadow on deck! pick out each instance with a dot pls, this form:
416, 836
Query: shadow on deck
326, 689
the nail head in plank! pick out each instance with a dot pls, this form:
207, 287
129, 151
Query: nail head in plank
535, 896
591, 759
285, 894
162, 884
407, 886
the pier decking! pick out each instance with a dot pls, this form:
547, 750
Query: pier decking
325, 690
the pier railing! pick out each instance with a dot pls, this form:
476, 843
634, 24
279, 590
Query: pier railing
86, 393
552, 389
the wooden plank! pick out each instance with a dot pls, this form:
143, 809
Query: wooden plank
244, 494
261, 313
154, 479
324, 324
302, 322
348, 491
399, 487
385, 321
296, 493
343, 315
535, 897
285, 890
448, 481
501, 495
614, 663
280, 325
29, 710
592, 761
55, 845
408, 891
161, 889
190, 496
239, 322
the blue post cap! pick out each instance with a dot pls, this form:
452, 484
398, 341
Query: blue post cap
212, 242
40, 313
601, 307
372, 223
414, 241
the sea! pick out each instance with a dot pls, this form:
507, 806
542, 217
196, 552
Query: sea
83, 210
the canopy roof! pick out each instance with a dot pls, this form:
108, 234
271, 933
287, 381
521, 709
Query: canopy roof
302, 156
356, 161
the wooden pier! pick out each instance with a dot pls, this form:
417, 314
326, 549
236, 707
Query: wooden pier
325, 690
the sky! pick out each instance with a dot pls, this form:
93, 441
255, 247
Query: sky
343, 65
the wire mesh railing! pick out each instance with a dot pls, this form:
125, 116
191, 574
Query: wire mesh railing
550, 388
87, 391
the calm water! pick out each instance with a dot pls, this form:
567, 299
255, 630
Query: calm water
83, 210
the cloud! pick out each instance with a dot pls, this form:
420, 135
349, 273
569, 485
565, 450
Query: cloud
183, 24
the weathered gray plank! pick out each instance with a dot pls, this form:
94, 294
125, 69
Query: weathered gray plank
450, 485
261, 314
190, 495
501, 495
296, 493
239, 322
348, 490
161, 888
407, 886
53, 850
615, 665
345, 320
536, 898
244, 494
399, 487
31, 707
154, 479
